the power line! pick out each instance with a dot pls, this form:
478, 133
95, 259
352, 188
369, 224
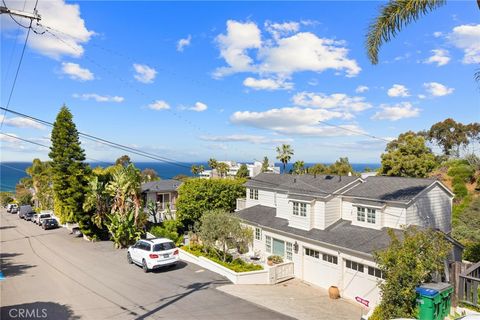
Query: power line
106, 142
44, 146
354, 131
19, 63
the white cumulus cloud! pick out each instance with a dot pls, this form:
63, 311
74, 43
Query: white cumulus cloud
65, 22
437, 89
398, 90
361, 89
287, 52
144, 73
199, 107
270, 84
396, 112
76, 72
20, 122
257, 139
294, 121
159, 105
98, 98
338, 101
182, 43
467, 38
439, 56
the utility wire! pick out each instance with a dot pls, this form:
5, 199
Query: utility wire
19, 64
106, 142
354, 131
44, 146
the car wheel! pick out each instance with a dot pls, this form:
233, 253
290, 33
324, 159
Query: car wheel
129, 258
144, 266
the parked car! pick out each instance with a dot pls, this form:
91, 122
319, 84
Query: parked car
50, 223
14, 209
34, 218
41, 217
153, 253
24, 210
29, 216
10, 206
76, 232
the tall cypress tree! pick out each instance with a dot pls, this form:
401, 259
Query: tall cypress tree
69, 171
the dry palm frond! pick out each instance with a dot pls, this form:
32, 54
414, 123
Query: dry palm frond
393, 17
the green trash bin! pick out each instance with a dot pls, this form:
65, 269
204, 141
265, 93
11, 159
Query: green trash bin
434, 300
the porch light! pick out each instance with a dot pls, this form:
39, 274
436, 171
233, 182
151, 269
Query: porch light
295, 247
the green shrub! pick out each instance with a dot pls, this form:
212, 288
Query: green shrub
168, 229
237, 265
472, 252
460, 190
462, 171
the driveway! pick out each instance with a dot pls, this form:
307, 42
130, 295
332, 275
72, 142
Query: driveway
61, 277
297, 299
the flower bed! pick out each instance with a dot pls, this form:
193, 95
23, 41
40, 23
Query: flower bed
237, 265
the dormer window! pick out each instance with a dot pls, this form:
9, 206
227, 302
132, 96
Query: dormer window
254, 194
367, 214
300, 209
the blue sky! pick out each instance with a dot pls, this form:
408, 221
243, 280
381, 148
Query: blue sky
232, 80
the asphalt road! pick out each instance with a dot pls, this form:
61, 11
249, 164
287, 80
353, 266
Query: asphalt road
52, 275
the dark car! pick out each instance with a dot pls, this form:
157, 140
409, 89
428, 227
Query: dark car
76, 232
50, 224
29, 216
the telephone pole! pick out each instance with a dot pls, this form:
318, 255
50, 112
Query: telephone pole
22, 14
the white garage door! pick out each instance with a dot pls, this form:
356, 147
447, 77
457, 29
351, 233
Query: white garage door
317, 271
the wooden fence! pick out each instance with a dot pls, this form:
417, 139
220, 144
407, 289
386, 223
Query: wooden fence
469, 286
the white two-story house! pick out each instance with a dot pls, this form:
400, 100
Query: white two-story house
329, 226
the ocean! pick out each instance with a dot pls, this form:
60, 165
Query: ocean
12, 172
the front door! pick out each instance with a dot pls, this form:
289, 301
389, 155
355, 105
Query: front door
278, 247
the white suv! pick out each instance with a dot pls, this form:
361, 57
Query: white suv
153, 253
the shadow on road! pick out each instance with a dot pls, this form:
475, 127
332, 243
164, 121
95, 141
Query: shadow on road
8, 268
197, 286
7, 227
178, 266
38, 310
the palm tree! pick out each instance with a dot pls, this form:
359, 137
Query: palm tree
395, 15
299, 167
222, 169
212, 163
284, 154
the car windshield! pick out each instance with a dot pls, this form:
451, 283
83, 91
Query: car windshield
43, 216
163, 246
50, 220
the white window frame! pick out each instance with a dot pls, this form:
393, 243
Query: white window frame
361, 214
253, 194
289, 251
371, 216
329, 258
375, 272
268, 244
299, 209
258, 234
312, 253
356, 266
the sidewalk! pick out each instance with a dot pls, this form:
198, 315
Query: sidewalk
296, 299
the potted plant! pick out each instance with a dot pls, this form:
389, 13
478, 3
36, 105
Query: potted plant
271, 260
